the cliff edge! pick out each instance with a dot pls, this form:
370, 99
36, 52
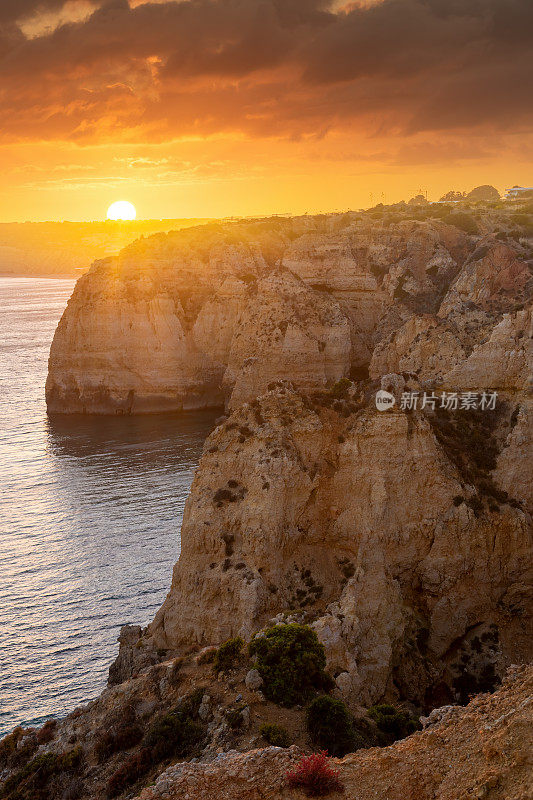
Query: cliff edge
482, 751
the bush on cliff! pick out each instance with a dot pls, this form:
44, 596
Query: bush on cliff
13, 751
228, 655
291, 661
47, 732
340, 389
111, 742
465, 222
393, 722
331, 728
130, 772
173, 734
276, 735
30, 782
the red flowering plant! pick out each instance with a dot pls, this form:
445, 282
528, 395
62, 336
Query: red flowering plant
315, 776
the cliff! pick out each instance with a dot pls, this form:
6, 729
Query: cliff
213, 314
413, 566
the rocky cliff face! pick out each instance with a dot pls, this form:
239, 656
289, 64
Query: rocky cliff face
213, 314
412, 566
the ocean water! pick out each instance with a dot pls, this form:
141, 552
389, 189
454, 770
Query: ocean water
90, 511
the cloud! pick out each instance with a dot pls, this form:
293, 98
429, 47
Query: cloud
19, 11
266, 68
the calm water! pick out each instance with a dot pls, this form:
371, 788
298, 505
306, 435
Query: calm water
90, 510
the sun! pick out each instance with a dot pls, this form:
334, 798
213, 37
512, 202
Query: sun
121, 210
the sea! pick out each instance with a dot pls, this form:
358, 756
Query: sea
90, 515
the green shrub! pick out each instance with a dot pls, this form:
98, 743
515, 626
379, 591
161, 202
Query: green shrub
234, 717
464, 222
340, 389
11, 754
30, 782
130, 772
173, 734
291, 661
330, 727
227, 655
393, 722
191, 703
112, 742
276, 735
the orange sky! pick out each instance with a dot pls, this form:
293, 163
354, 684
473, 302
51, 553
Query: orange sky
222, 107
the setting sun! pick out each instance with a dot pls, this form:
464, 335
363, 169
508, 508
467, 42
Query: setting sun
121, 210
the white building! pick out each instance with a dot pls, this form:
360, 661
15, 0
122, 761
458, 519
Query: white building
518, 191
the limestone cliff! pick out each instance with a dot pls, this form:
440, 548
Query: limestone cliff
414, 567
213, 314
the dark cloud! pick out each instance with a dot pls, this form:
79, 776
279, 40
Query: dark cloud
17, 10
267, 68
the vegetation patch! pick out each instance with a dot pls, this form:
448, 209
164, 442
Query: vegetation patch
12, 752
235, 718
465, 222
330, 727
173, 734
228, 655
340, 389
393, 722
47, 732
468, 438
30, 782
111, 742
291, 661
276, 735
130, 772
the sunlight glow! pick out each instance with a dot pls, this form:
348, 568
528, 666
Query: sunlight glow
121, 210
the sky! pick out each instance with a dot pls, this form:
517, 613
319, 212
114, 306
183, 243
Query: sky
245, 107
